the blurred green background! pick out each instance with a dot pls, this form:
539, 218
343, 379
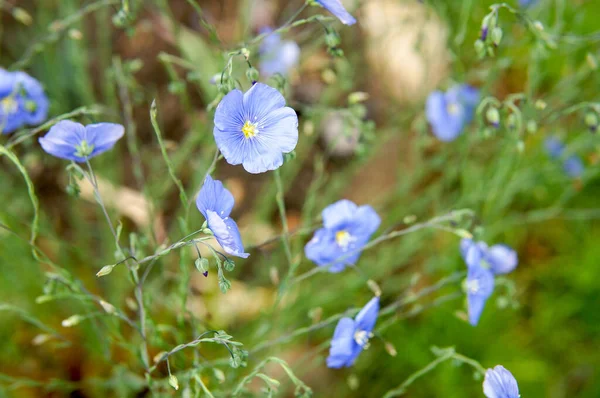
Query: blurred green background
115, 57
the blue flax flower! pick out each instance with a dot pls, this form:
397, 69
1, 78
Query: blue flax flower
351, 336
74, 141
215, 203
448, 113
527, 3
22, 101
500, 383
346, 228
255, 129
277, 56
483, 263
336, 8
572, 165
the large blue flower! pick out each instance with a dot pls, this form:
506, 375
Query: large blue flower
448, 113
500, 383
351, 336
22, 101
255, 129
74, 141
346, 228
277, 56
215, 203
483, 263
336, 8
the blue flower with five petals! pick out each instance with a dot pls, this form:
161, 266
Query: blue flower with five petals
74, 141
351, 336
448, 113
22, 101
255, 129
215, 203
500, 383
346, 228
337, 8
483, 263
277, 56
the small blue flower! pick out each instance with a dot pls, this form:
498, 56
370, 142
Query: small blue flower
215, 203
351, 336
277, 56
346, 228
74, 141
22, 101
448, 113
500, 383
573, 166
336, 8
527, 3
255, 129
483, 263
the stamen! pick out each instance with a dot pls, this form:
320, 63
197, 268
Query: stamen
343, 238
249, 129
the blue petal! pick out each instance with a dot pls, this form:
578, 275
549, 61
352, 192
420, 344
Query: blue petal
366, 318
339, 214
468, 96
500, 383
215, 197
103, 136
574, 166
336, 8
480, 285
7, 82
261, 100
279, 130
232, 144
260, 159
342, 351
472, 252
33, 92
229, 115
277, 56
502, 259
62, 140
554, 147
227, 234
323, 250
367, 220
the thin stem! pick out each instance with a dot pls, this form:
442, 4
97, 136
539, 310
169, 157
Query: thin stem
93, 180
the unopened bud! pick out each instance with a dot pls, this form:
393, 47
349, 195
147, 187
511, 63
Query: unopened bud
41, 339
107, 269
357, 97
493, 116
202, 265
173, 382
539, 26
540, 105
591, 120
531, 127
22, 16
229, 265
108, 307
389, 347
252, 74
158, 357
497, 35
374, 287
245, 52
72, 321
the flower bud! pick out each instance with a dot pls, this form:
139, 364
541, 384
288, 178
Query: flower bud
591, 120
252, 74
332, 39
202, 265
480, 48
173, 382
497, 35
493, 116
531, 127
245, 52
22, 16
389, 347
72, 321
357, 97
108, 307
229, 265
540, 105
107, 269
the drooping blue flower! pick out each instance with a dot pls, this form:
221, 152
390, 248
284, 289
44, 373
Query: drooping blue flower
573, 165
22, 101
74, 141
215, 203
277, 56
346, 228
255, 129
500, 383
351, 336
483, 263
336, 8
448, 113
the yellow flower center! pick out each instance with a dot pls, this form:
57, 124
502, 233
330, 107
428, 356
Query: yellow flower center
453, 108
362, 338
343, 238
9, 104
249, 129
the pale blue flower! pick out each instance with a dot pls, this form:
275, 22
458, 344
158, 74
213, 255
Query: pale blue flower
483, 263
351, 336
74, 141
448, 113
277, 56
337, 8
22, 101
215, 203
346, 228
255, 129
572, 165
500, 383
554, 147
